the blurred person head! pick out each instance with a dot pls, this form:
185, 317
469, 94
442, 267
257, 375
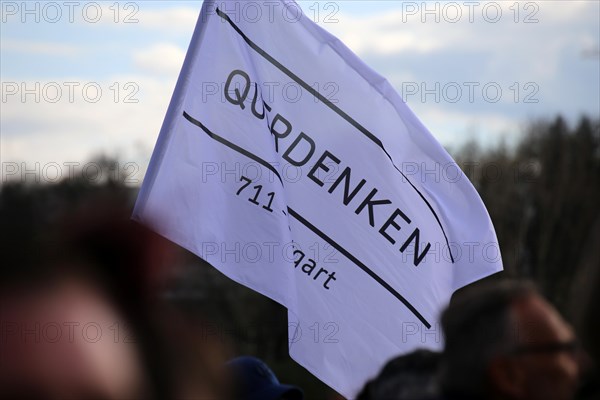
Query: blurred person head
411, 376
81, 297
503, 340
254, 380
64, 340
66, 333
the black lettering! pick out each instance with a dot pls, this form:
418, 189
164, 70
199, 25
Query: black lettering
265, 105
331, 277
370, 203
310, 268
319, 273
307, 139
417, 258
320, 165
280, 135
240, 98
345, 175
391, 221
298, 261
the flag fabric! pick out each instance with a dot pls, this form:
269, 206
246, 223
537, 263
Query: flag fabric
294, 169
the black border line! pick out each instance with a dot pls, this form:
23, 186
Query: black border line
334, 108
310, 226
359, 263
231, 145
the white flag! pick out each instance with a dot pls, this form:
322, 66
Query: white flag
289, 165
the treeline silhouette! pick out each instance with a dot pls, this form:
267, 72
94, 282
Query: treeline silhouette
543, 195
544, 199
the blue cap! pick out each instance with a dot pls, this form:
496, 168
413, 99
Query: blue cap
254, 380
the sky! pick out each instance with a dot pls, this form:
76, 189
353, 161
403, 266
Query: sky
80, 78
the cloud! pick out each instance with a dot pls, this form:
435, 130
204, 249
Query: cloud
36, 48
487, 128
417, 52
73, 130
161, 59
180, 20
505, 46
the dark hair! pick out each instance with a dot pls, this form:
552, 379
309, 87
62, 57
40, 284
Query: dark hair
411, 376
477, 327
